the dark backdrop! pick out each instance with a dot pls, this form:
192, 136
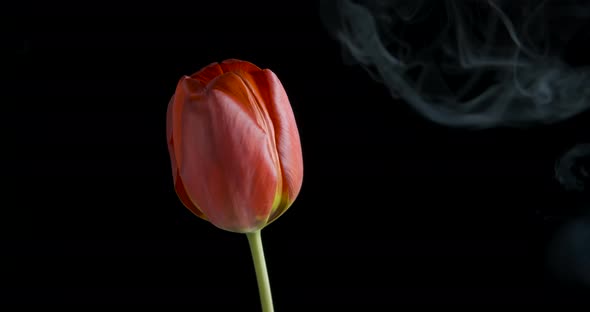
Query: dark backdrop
394, 209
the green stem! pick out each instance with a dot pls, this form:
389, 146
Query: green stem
255, 242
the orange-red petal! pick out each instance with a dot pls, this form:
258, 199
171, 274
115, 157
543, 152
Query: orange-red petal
234, 65
286, 135
178, 185
169, 140
208, 73
214, 70
185, 199
226, 162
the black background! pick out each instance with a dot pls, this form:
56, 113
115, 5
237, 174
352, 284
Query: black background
394, 209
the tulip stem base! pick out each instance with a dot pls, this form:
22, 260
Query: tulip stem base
255, 242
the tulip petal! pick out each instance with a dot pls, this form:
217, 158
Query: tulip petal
178, 185
234, 65
286, 135
185, 199
208, 73
169, 140
226, 160
214, 70
234, 86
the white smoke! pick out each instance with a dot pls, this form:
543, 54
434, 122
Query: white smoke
572, 170
569, 251
474, 63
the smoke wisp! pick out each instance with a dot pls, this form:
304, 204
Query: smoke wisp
471, 63
572, 170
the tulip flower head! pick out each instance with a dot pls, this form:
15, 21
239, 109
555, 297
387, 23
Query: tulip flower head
234, 146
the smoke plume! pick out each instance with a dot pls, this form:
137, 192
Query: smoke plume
569, 250
470, 63
572, 170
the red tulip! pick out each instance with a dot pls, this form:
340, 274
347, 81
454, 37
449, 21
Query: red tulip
234, 146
